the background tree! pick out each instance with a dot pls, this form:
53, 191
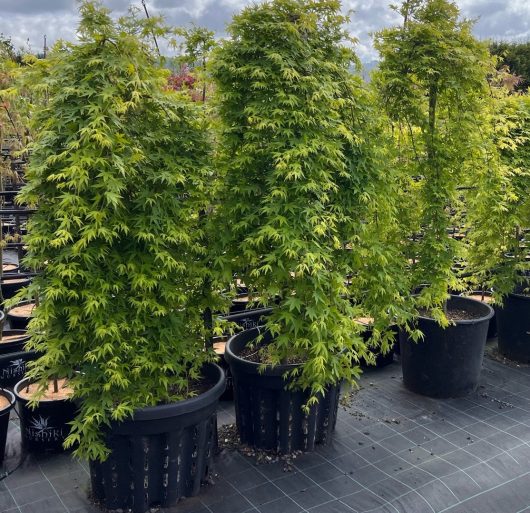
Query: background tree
515, 55
500, 213
195, 46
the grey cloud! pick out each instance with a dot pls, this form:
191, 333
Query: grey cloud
171, 4
213, 20
8, 7
56, 26
23, 19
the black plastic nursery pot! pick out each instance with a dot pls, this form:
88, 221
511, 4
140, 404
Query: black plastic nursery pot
13, 367
4, 420
19, 315
447, 362
13, 341
11, 285
478, 295
160, 455
246, 319
219, 344
9, 268
240, 302
45, 427
381, 359
513, 326
268, 415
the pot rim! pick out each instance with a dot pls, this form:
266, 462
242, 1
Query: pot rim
523, 297
192, 404
459, 322
253, 366
22, 382
233, 317
22, 337
21, 303
6, 279
10, 396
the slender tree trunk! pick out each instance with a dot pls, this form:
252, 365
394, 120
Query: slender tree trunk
2, 201
204, 80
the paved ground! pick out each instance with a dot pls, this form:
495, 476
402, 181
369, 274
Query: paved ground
393, 452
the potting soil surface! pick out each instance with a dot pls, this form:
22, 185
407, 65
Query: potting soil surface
22, 310
63, 391
393, 452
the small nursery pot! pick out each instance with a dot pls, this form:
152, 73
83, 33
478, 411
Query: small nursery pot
45, 427
240, 302
13, 341
268, 415
8, 228
161, 454
10, 268
447, 362
13, 367
12, 284
8, 397
477, 296
513, 326
248, 319
20, 315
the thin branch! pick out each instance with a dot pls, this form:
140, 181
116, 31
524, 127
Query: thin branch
152, 33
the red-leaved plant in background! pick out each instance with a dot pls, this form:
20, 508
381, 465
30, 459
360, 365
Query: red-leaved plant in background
184, 80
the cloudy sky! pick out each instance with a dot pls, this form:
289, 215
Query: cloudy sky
29, 20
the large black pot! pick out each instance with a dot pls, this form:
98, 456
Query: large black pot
447, 362
12, 284
16, 321
13, 367
8, 268
241, 302
268, 415
492, 328
45, 427
246, 319
513, 326
4, 421
13, 341
162, 454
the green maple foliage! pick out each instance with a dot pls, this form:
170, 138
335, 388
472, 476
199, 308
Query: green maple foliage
119, 175
500, 213
432, 83
307, 197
